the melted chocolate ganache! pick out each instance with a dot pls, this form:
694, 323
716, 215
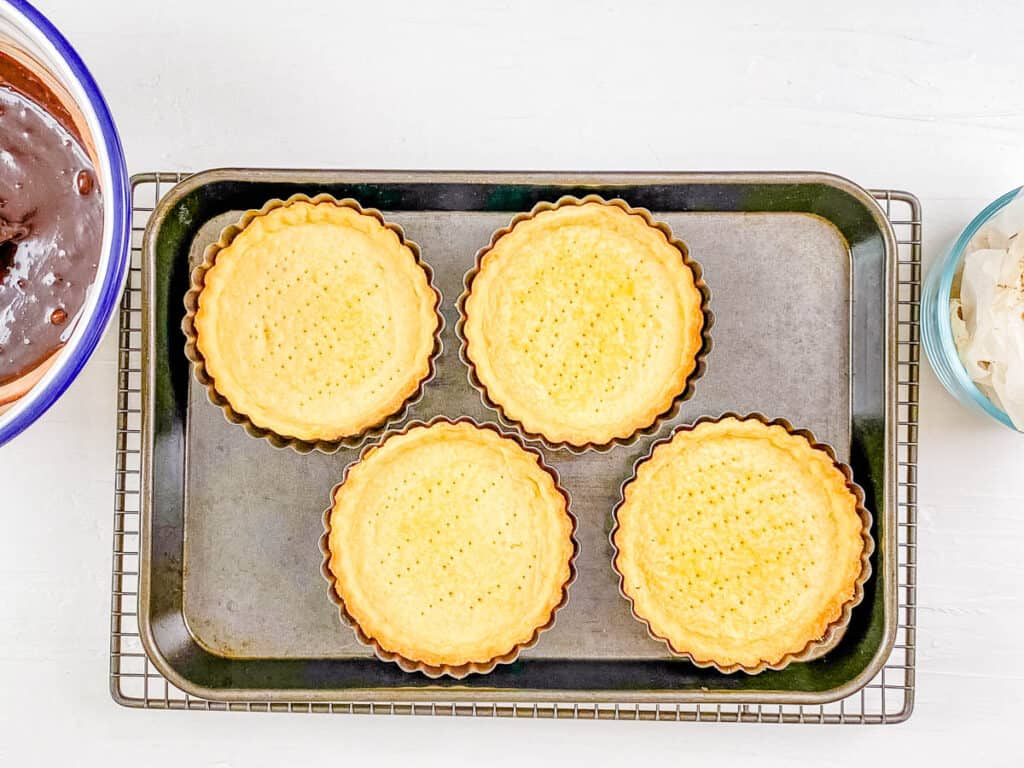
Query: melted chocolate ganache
51, 222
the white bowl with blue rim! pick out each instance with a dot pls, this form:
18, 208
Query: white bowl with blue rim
25, 31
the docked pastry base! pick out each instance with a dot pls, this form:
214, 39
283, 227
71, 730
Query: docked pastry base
411, 665
700, 360
203, 376
833, 634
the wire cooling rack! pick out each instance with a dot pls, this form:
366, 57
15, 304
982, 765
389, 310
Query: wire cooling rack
888, 698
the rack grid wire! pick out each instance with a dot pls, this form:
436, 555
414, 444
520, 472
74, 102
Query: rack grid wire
888, 698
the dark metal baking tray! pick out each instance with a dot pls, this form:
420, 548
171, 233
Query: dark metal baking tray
231, 604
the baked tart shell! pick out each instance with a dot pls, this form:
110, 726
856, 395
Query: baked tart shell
434, 671
662, 411
200, 367
833, 633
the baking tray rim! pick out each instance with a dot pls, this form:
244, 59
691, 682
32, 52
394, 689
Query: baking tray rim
461, 694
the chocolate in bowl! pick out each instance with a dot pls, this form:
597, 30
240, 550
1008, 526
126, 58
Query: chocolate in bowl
51, 224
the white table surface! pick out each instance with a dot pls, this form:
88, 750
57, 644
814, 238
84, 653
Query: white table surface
927, 97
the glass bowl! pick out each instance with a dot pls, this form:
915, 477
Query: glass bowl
936, 329
28, 37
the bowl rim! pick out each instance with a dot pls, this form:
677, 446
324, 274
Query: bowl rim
111, 275
949, 268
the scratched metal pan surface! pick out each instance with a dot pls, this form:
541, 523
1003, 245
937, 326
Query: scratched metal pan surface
232, 605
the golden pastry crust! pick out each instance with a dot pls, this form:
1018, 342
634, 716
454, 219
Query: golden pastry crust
584, 323
739, 543
450, 545
316, 322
